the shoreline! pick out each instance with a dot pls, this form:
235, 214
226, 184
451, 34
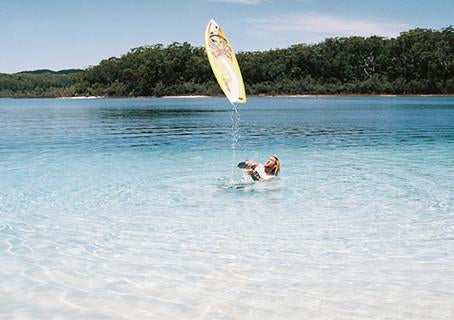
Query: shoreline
186, 97
250, 96
258, 96
81, 97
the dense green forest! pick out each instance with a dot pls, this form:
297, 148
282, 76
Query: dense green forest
40, 83
419, 61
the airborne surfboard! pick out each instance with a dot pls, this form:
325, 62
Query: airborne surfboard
224, 64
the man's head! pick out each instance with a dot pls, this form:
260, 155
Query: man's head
273, 165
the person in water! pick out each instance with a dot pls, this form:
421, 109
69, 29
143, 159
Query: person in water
262, 172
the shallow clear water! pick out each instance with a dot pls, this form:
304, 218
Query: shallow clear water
124, 209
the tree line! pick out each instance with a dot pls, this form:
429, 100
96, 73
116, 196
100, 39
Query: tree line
418, 61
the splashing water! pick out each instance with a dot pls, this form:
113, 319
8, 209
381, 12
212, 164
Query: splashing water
235, 116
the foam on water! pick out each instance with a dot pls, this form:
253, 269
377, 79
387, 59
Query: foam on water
123, 209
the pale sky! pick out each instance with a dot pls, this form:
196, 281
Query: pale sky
50, 34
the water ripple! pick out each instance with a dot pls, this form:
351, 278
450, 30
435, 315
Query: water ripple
128, 209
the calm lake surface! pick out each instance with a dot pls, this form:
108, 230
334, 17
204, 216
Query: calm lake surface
131, 209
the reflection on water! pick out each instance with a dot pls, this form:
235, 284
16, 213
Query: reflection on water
293, 123
126, 209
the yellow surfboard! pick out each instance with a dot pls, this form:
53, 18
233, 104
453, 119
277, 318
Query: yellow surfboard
224, 64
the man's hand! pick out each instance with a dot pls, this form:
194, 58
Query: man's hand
249, 163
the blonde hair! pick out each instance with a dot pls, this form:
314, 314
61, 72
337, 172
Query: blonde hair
277, 166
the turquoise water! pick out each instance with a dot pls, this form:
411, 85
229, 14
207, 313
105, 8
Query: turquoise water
130, 209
